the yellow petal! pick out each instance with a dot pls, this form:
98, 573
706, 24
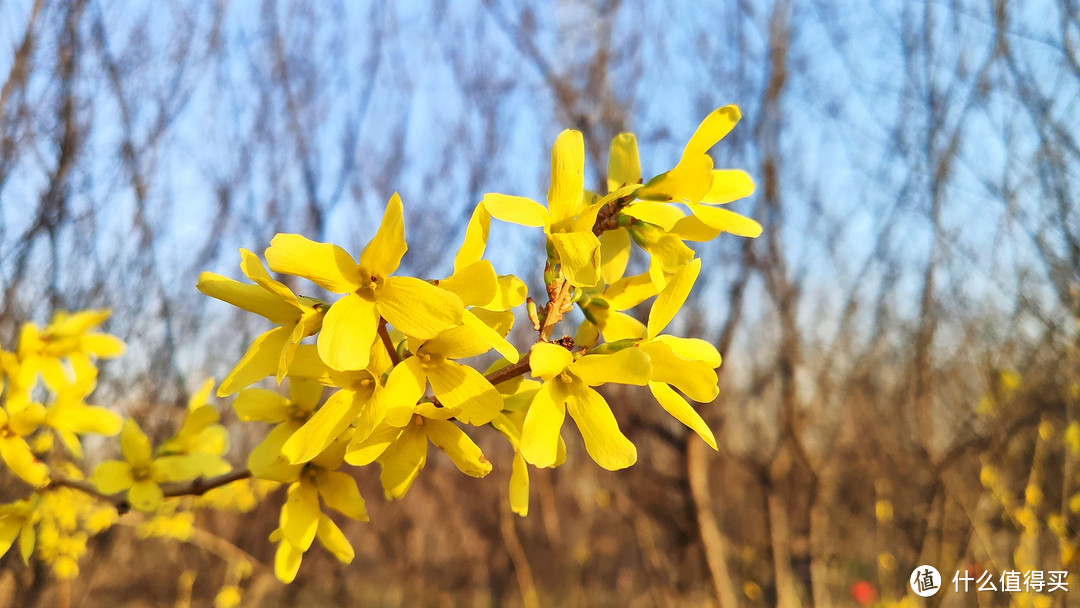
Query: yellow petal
726, 221
587, 334
692, 349
146, 495
402, 461
516, 210
339, 492
367, 451
460, 386
585, 220
716, 125
102, 345
326, 425
326, 265
9, 531
621, 326
519, 486
252, 298
663, 215
85, 419
491, 337
457, 342
27, 537
540, 433
383, 254
17, 455
476, 284
512, 292
671, 299
300, 515
349, 329
334, 541
624, 168
253, 268
265, 459
112, 476
567, 176
627, 366
465, 454
579, 255
134, 444
628, 292
404, 387
695, 378
729, 185
178, 468
603, 440
691, 228
304, 393
549, 360
262, 405
679, 409
418, 308
688, 182
614, 254
287, 561
259, 361
476, 236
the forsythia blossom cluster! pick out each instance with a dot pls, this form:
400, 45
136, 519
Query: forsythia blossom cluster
386, 365
387, 373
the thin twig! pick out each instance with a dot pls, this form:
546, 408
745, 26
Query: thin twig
388, 343
195, 487
510, 371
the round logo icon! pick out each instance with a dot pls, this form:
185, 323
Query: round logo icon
925, 581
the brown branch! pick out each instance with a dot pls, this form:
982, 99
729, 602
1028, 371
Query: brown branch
510, 371
195, 487
388, 343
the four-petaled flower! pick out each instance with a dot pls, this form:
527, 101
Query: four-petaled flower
415, 307
568, 388
139, 473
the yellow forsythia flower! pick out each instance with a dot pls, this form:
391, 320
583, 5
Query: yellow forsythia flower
350, 326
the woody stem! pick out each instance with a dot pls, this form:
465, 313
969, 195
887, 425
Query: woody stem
387, 342
195, 487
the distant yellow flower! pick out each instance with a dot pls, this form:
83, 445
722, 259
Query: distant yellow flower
415, 307
70, 416
402, 452
1072, 438
567, 387
139, 473
44, 352
200, 438
272, 351
228, 597
15, 426
883, 511
17, 521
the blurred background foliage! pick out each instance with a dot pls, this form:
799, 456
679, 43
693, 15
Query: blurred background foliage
901, 372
